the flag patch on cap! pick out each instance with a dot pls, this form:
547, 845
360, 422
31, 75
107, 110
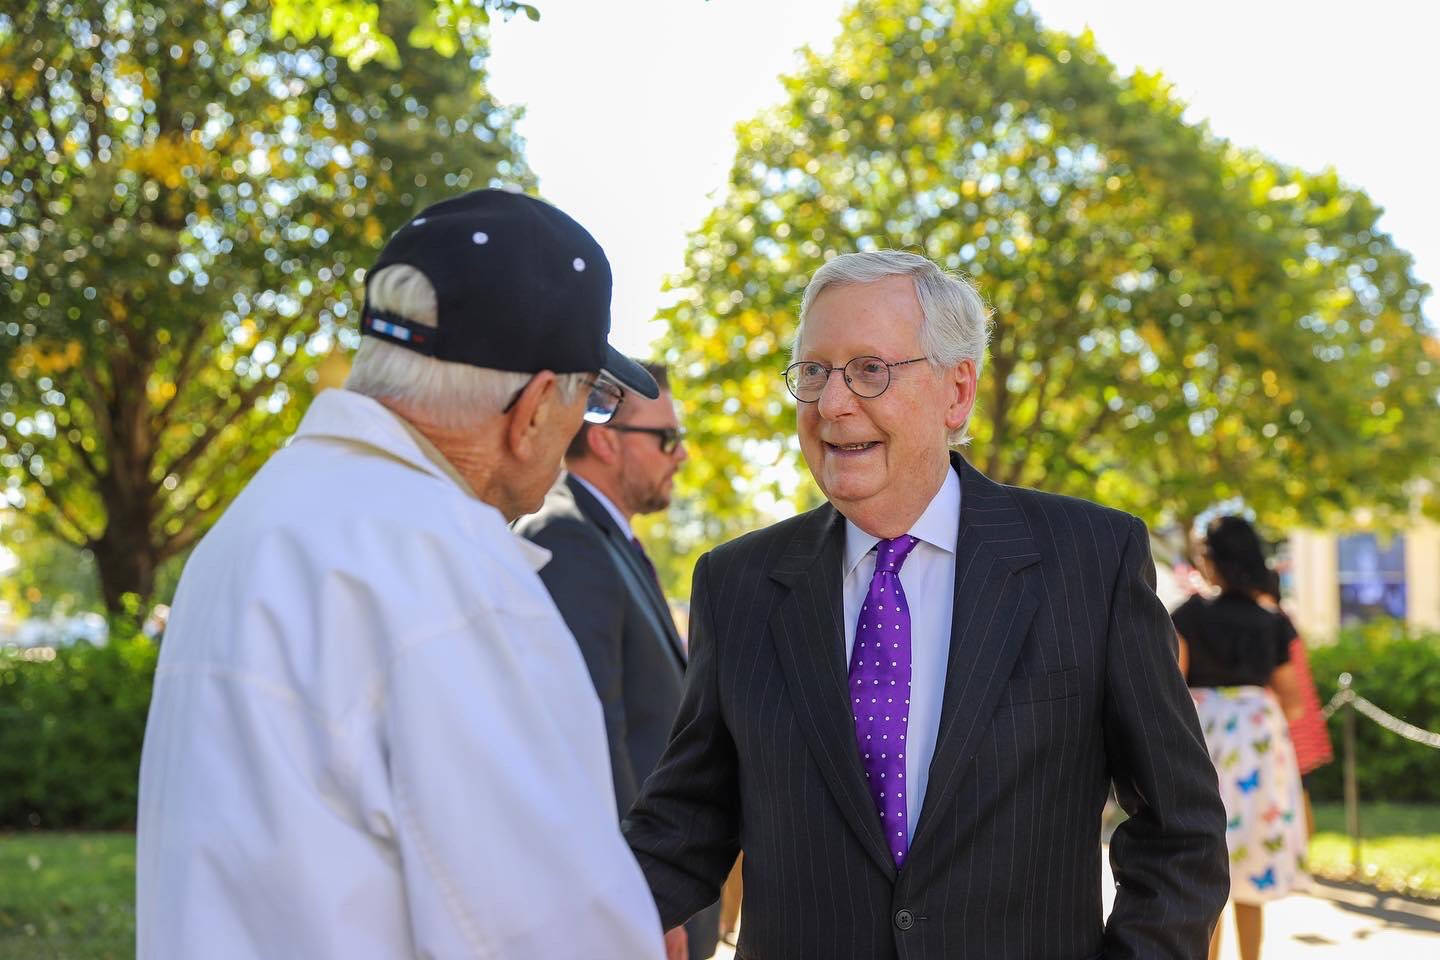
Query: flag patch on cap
392, 327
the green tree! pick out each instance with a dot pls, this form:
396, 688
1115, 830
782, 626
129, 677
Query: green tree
1177, 321
357, 31
187, 203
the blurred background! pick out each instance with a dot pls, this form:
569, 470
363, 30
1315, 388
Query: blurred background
1207, 233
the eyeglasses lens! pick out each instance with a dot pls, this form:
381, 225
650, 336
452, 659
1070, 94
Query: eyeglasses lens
604, 401
868, 376
807, 380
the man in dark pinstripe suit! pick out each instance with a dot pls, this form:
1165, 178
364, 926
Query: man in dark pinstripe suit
907, 707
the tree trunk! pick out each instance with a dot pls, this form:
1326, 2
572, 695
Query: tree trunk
126, 563
1001, 364
125, 553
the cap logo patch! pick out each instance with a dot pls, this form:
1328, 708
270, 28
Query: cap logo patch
398, 330
579, 265
481, 237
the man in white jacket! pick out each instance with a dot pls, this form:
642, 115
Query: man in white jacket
372, 734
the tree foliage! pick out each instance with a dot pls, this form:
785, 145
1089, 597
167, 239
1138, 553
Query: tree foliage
1177, 321
357, 32
187, 203
42, 576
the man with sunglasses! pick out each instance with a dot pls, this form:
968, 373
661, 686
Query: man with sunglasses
908, 706
372, 734
605, 586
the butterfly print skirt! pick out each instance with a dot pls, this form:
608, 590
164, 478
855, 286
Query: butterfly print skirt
1260, 785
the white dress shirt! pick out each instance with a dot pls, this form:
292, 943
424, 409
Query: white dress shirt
372, 735
928, 576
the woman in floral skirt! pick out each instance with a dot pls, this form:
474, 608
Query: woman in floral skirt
1236, 658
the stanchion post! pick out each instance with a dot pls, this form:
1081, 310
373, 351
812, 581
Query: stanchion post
1352, 790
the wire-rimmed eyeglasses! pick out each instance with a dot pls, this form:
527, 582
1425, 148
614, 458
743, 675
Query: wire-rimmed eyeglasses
603, 400
866, 377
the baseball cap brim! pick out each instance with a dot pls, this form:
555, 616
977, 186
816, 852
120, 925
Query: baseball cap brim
629, 374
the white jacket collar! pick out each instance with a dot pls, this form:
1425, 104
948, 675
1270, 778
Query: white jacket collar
350, 417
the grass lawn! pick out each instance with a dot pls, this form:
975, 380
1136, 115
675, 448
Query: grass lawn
67, 896
1399, 849
71, 896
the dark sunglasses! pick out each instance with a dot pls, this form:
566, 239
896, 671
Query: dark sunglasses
670, 437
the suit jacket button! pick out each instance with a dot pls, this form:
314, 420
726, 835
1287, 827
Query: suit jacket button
904, 919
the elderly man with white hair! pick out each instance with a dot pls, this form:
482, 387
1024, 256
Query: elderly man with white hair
907, 706
372, 734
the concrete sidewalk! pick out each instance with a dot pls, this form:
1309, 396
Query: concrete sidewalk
1335, 920
1332, 920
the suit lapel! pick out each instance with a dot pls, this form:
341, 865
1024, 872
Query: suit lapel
641, 584
991, 616
808, 630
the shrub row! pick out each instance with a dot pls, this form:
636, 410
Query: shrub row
1399, 671
70, 734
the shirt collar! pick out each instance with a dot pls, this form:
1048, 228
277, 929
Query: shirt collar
938, 526
535, 556
610, 508
340, 414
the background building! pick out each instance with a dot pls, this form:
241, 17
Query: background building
1335, 580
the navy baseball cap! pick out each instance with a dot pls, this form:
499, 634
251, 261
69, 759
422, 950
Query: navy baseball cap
519, 286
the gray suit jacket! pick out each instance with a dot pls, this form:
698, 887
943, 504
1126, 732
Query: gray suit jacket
1062, 678
625, 632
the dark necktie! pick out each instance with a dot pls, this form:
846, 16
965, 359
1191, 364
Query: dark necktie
645, 559
880, 689
655, 579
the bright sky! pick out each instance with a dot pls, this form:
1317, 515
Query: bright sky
631, 104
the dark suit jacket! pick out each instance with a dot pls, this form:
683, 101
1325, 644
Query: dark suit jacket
1062, 677
625, 632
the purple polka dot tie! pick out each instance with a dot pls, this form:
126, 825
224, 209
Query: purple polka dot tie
880, 689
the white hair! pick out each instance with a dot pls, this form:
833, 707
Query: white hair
448, 394
955, 320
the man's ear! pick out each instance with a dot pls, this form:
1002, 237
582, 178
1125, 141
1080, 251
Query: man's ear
533, 409
961, 380
604, 445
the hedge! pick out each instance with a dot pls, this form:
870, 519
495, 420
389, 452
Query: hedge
71, 727
70, 734
1398, 670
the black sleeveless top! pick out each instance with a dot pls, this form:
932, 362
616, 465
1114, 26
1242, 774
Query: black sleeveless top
1233, 640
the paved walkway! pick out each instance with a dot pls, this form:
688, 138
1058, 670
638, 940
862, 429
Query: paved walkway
1331, 921
1340, 921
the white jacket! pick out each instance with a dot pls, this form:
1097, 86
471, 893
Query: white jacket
372, 734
